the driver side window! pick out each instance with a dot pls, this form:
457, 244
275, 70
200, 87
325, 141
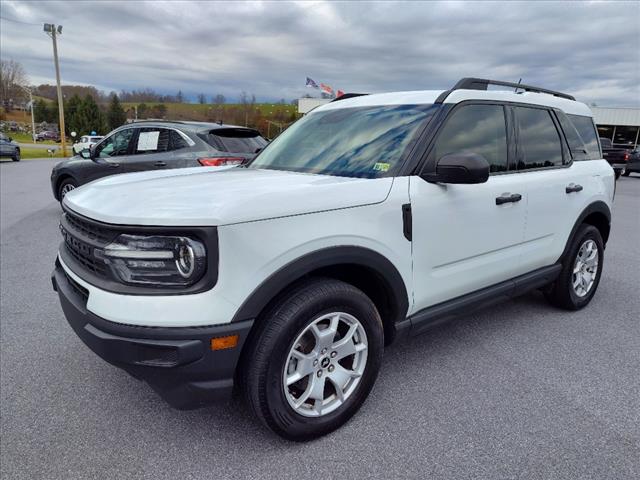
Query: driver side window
115, 145
479, 129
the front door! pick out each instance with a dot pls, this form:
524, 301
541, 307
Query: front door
466, 237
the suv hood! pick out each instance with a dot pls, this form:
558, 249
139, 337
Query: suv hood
213, 196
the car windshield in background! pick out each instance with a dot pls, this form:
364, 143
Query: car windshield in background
236, 140
364, 142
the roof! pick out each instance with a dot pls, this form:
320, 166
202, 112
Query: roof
629, 116
429, 96
186, 125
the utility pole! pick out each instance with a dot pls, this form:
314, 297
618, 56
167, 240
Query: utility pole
53, 31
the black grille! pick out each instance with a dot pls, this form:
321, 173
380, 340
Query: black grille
81, 239
89, 230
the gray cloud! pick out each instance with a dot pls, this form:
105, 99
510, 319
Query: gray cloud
591, 49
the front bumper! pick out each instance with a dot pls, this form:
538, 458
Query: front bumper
177, 362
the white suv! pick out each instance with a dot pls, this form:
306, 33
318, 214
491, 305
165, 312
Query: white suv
373, 217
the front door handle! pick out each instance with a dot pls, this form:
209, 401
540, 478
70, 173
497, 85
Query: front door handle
160, 163
508, 198
573, 187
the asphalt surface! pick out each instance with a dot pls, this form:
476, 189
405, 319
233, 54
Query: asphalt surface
518, 391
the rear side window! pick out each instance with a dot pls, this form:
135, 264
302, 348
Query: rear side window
587, 131
156, 140
479, 129
236, 140
539, 143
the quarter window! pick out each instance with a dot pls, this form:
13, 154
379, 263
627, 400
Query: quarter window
539, 142
587, 131
479, 129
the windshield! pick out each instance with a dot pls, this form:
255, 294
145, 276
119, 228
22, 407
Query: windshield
364, 142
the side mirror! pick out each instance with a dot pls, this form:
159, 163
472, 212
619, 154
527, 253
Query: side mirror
462, 168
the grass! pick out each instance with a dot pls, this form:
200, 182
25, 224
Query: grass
27, 153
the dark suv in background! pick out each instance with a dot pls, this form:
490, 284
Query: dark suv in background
154, 145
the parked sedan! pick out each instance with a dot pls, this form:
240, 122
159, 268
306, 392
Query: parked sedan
8, 148
47, 135
85, 142
156, 145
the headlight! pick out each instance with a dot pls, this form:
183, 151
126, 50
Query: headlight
155, 260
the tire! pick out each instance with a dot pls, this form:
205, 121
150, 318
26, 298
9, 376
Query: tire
286, 327
65, 187
16, 155
618, 173
627, 173
562, 292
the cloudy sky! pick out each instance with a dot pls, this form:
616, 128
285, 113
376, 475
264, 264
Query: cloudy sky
590, 49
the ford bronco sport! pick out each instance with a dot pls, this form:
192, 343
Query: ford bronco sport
371, 218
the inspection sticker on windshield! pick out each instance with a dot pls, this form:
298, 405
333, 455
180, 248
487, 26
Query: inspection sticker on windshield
381, 167
148, 141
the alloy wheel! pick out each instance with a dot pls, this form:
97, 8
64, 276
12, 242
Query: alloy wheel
325, 364
585, 268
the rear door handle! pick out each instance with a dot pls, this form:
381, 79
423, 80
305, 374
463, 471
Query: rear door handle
508, 198
160, 163
573, 187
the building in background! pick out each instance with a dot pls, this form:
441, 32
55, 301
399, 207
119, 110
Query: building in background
620, 125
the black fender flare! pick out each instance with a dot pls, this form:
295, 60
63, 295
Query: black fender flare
327, 257
595, 207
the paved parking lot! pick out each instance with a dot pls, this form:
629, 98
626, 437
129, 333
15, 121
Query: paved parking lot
517, 391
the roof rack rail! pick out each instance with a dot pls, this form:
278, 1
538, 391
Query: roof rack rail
348, 95
483, 84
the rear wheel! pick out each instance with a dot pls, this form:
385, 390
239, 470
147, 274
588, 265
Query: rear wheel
581, 270
313, 359
626, 173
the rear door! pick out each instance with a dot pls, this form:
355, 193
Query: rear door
156, 148
556, 184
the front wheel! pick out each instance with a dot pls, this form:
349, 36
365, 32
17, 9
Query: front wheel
626, 173
65, 187
314, 359
16, 155
581, 270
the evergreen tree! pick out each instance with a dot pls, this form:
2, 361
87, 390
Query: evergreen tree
116, 115
72, 121
41, 111
91, 119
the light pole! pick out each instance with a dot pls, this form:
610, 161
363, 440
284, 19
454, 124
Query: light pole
33, 120
53, 31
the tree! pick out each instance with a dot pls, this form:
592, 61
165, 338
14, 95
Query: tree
12, 78
202, 98
179, 97
41, 111
91, 119
161, 109
71, 111
142, 110
218, 101
116, 115
247, 106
